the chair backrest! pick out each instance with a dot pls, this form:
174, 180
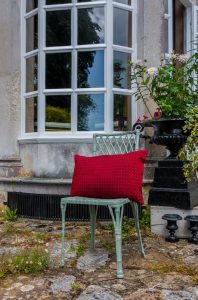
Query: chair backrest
116, 143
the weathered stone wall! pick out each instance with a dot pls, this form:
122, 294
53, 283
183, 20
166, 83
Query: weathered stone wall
52, 160
150, 32
9, 78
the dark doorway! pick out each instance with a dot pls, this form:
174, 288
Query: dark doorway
179, 20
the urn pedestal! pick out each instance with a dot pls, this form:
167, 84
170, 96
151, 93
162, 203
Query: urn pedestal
170, 188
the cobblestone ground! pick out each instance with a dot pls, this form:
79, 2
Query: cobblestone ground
169, 271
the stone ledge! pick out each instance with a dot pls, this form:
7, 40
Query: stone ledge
35, 180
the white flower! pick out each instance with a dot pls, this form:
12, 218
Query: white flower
173, 56
152, 72
182, 58
137, 63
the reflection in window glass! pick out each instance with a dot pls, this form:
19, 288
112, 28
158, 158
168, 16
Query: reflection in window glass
90, 25
121, 70
91, 112
58, 70
122, 27
31, 74
91, 69
31, 115
127, 2
51, 2
32, 33
58, 113
58, 28
31, 4
122, 112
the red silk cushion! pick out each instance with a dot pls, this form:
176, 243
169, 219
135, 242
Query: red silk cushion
109, 176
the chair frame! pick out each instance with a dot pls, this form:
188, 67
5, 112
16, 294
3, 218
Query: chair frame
116, 206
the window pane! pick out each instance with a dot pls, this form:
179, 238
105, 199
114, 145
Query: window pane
58, 113
122, 112
32, 33
31, 4
31, 115
91, 112
31, 74
58, 28
58, 70
122, 27
91, 69
51, 2
121, 70
127, 2
91, 25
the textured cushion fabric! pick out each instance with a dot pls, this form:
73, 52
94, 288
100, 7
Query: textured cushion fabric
109, 176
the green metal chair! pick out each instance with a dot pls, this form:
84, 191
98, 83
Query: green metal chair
115, 143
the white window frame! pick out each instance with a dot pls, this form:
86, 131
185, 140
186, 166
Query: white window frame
169, 16
108, 48
195, 21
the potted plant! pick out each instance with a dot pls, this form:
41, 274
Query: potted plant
173, 88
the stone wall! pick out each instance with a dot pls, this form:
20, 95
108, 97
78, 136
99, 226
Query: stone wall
52, 159
9, 78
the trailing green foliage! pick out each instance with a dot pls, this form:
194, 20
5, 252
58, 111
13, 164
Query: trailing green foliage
189, 154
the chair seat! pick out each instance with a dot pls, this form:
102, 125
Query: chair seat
94, 201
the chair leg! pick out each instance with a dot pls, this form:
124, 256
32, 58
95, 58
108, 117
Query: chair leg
117, 216
135, 209
93, 215
63, 209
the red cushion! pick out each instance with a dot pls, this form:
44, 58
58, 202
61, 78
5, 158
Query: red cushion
109, 176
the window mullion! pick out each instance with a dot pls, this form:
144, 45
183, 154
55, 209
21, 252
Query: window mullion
41, 69
170, 26
23, 66
109, 67
74, 33
134, 57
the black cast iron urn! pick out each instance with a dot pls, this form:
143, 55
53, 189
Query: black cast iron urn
172, 226
193, 228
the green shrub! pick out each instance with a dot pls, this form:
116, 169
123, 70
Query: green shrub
56, 114
10, 215
145, 217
